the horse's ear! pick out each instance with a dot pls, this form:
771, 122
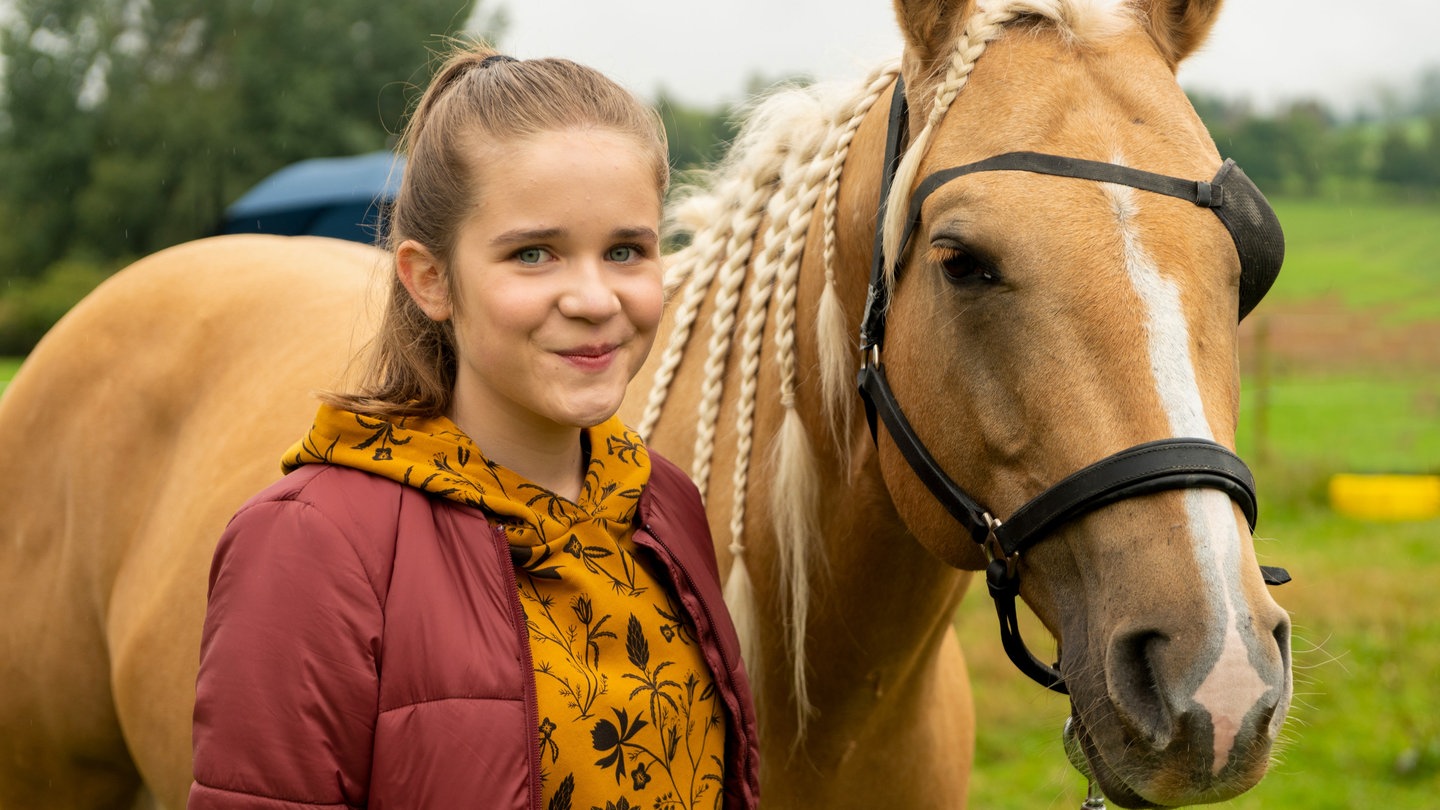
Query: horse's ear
930, 28
1179, 26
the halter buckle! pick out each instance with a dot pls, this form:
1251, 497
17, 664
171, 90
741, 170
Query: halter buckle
870, 356
1001, 574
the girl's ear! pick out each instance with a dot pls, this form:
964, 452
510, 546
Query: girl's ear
424, 279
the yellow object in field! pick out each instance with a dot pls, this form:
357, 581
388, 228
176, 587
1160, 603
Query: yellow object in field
1385, 497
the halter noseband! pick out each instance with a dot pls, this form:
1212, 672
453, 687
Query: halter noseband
1166, 464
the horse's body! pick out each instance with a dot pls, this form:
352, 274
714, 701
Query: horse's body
146, 418
1098, 318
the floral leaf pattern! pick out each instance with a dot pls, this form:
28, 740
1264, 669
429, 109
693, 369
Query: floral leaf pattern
563, 794
547, 745
635, 645
629, 716
613, 741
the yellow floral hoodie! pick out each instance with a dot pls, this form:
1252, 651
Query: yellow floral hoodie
627, 707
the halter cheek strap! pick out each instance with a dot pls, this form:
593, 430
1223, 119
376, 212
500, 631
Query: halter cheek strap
877, 298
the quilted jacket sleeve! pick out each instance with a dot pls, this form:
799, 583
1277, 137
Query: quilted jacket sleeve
287, 694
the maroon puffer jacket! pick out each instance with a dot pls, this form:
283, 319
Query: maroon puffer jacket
364, 646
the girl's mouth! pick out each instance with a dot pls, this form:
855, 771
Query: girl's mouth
590, 358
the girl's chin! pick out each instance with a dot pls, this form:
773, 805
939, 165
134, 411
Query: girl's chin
589, 414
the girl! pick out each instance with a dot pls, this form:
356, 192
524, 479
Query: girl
475, 587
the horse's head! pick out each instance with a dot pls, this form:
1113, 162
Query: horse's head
1047, 315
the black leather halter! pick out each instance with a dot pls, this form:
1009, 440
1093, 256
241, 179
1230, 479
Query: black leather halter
1167, 464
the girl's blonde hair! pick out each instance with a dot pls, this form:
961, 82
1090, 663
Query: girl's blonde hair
478, 102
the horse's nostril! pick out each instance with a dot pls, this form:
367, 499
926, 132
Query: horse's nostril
1134, 685
1282, 638
1281, 706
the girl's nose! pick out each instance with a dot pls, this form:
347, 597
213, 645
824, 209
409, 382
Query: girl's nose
590, 295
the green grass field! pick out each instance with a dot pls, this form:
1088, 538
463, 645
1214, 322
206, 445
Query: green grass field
8, 367
1365, 729
1379, 256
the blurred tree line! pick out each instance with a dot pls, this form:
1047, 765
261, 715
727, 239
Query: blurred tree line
1306, 149
127, 126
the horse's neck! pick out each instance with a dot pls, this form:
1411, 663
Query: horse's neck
880, 603
870, 605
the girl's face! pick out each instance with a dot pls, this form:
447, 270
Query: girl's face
557, 282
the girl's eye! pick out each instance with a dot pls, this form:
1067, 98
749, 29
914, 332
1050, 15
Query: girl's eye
623, 254
532, 255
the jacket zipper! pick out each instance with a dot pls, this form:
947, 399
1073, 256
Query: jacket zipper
527, 663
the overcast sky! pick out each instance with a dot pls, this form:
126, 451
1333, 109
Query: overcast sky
703, 52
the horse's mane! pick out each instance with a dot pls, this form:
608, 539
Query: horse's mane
784, 167
786, 160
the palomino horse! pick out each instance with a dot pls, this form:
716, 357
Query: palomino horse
1032, 325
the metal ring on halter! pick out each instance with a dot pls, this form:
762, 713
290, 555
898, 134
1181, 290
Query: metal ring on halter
995, 550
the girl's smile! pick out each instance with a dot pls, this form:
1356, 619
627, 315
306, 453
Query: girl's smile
591, 358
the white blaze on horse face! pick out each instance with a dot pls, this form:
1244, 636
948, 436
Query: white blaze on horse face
1233, 686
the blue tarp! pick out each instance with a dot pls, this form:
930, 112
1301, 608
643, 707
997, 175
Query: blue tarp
338, 197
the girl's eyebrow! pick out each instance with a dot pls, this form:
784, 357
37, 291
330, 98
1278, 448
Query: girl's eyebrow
516, 235
522, 235
639, 233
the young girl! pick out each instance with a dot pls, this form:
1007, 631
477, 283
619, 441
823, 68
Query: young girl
475, 587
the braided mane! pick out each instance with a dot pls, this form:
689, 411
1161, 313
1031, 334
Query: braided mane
787, 159
783, 169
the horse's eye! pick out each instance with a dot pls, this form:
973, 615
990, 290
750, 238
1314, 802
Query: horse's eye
960, 265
